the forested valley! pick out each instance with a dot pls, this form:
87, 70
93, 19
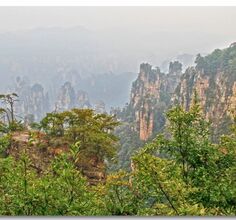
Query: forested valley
171, 151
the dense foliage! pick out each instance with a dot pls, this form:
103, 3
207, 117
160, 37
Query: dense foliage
219, 60
181, 172
7, 113
93, 131
194, 176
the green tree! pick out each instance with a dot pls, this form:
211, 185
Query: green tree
200, 62
180, 168
9, 100
8, 112
59, 190
93, 131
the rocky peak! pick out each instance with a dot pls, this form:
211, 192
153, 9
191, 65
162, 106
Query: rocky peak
150, 94
83, 99
175, 68
100, 107
66, 97
32, 99
214, 81
173, 76
39, 101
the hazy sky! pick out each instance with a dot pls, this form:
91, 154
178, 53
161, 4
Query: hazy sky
210, 19
160, 30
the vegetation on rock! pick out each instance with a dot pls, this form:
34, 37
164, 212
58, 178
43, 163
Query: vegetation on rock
180, 172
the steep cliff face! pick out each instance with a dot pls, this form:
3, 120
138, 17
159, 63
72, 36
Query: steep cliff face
214, 81
69, 98
39, 101
33, 101
100, 107
143, 117
66, 97
83, 99
150, 95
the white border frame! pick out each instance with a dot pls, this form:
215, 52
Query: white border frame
117, 3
